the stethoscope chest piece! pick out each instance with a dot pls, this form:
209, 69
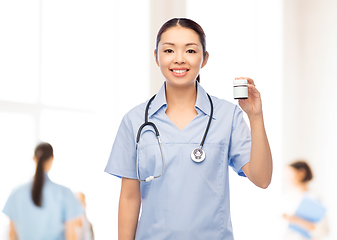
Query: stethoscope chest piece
198, 155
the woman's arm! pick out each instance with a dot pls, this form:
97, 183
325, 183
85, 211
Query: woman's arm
70, 226
12, 232
299, 221
259, 169
129, 206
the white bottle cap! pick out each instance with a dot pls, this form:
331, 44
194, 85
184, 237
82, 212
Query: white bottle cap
240, 82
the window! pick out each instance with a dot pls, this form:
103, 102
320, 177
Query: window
67, 79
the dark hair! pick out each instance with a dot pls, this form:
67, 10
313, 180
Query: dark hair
42, 153
302, 165
185, 23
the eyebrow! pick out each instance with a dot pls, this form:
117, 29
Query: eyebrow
172, 44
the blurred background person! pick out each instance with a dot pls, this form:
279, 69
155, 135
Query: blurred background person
42, 209
305, 213
84, 230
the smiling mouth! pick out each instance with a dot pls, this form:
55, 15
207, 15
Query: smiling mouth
179, 71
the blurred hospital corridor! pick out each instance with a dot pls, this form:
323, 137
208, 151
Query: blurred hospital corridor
71, 69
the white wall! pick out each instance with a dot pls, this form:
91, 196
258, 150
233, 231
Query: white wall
310, 60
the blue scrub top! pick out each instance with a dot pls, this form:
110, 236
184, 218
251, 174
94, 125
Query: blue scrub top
42, 223
191, 200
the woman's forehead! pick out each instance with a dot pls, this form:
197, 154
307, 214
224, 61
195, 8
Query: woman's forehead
179, 36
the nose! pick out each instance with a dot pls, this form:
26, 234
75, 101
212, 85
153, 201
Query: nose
179, 58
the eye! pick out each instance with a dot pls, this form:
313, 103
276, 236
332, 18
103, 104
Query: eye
168, 51
191, 51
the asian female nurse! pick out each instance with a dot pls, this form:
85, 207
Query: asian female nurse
42, 209
190, 200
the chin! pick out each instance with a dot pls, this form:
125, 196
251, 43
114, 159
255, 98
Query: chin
180, 82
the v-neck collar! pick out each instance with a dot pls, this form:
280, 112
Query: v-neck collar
202, 102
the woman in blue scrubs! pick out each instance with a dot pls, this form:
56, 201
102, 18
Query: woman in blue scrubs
191, 199
41, 209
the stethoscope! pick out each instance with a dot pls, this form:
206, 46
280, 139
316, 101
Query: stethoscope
197, 155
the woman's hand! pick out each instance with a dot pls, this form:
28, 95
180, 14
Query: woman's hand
287, 217
253, 105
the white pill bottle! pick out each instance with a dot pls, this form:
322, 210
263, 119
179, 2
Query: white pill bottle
240, 89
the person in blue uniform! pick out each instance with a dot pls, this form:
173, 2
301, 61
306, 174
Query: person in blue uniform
177, 171
305, 213
42, 209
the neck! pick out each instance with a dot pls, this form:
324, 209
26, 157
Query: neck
303, 187
182, 96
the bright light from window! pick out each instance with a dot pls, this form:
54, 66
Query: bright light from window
94, 68
19, 48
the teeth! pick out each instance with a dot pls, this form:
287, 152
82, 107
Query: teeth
179, 71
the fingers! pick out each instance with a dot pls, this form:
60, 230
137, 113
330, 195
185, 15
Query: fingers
252, 89
249, 80
250, 83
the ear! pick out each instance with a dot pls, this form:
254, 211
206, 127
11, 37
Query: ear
204, 62
156, 57
302, 172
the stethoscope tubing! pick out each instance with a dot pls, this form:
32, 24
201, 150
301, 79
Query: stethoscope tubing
209, 122
163, 162
147, 123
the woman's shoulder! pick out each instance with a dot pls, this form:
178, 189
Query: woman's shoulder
224, 107
222, 102
136, 114
137, 110
21, 189
59, 187
63, 197
60, 192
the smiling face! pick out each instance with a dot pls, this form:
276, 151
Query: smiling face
180, 56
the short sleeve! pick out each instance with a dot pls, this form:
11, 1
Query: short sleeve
72, 207
122, 160
10, 208
240, 143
